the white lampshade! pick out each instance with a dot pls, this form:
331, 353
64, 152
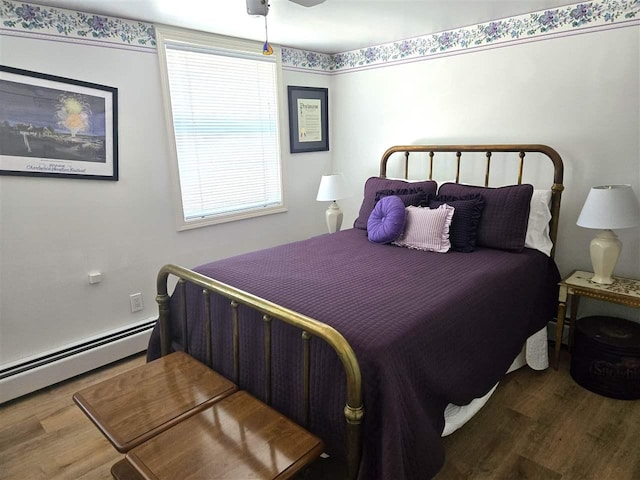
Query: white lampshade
608, 207
333, 187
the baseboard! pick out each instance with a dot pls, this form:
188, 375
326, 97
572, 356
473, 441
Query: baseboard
26, 376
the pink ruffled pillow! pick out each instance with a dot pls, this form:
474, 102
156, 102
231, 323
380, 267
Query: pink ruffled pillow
427, 229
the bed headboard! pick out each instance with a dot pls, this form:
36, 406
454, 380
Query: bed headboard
522, 150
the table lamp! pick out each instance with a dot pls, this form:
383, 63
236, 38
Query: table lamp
333, 187
608, 207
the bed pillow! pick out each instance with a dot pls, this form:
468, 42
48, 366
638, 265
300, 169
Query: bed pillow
505, 216
464, 226
386, 222
427, 229
538, 226
374, 184
409, 196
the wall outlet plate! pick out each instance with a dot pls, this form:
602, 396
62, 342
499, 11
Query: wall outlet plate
135, 299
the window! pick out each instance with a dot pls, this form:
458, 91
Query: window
222, 98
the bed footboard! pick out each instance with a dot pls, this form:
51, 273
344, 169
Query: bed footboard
353, 410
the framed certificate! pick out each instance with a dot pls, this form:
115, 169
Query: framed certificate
308, 119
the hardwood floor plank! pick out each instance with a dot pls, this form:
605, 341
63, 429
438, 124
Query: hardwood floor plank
61, 419
24, 431
521, 468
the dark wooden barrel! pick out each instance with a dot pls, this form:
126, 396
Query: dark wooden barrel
605, 357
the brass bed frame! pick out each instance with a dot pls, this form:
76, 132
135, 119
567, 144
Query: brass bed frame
558, 168
310, 328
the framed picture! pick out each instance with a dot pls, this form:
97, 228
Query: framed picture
308, 119
57, 127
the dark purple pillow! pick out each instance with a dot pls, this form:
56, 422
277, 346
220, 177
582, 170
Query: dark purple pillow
386, 222
505, 215
374, 184
466, 218
409, 196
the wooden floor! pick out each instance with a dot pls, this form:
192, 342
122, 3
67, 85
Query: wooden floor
538, 425
544, 426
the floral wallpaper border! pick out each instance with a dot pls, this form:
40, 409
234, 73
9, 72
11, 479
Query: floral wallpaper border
567, 20
27, 19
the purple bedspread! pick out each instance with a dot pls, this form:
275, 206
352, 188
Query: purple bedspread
428, 329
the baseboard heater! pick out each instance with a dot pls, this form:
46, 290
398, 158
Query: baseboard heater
38, 372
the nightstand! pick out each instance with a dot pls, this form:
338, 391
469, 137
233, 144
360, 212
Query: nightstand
624, 291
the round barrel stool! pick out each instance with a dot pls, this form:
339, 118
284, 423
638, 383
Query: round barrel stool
605, 357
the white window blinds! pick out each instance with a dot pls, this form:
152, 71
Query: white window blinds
224, 105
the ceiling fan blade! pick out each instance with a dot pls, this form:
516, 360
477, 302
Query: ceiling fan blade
308, 3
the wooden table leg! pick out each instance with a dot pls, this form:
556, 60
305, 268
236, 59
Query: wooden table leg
573, 318
562, 307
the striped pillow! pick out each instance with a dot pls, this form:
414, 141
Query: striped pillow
427, 229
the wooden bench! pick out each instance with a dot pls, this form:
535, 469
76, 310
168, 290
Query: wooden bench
176, 418
136, 405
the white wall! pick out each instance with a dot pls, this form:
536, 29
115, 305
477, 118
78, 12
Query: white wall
54, 231
578, 94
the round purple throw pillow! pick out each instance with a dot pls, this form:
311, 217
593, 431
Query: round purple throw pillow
386, 222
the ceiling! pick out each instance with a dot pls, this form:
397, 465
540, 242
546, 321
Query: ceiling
331, 27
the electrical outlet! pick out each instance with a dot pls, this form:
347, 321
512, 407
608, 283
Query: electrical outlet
136, 302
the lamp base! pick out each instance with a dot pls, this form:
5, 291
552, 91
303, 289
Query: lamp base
334, 217
605, 250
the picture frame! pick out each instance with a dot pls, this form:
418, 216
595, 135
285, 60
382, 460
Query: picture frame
53, 126
308, 119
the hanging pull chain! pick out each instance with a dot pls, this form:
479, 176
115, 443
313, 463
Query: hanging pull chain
266, 49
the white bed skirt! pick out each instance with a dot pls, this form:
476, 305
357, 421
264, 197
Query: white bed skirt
534, 353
